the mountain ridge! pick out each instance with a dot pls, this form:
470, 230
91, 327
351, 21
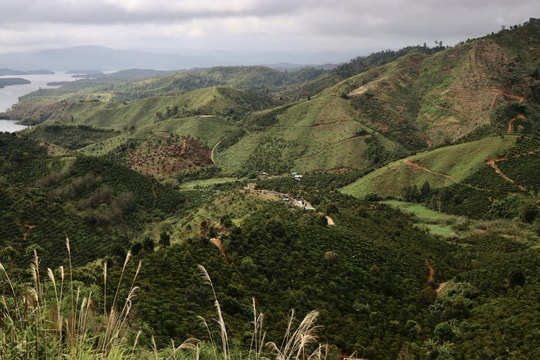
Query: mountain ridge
108, 59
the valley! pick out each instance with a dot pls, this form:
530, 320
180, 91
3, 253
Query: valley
396, 194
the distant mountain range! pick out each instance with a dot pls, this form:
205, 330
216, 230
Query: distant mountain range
11, 72
103, 58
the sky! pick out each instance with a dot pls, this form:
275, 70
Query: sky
176, 26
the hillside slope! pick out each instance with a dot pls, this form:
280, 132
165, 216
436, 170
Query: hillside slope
423, 99
478, 86
440, 168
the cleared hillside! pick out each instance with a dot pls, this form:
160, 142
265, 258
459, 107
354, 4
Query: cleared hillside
323, 133
441, 167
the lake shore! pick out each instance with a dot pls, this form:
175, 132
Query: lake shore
11, 126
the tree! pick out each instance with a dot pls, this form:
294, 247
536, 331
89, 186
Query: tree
444, 331
528, 213
148, 244
165, 239
322, 220
425, 191
136, 248
516, 278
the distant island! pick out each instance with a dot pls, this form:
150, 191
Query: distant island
57, 83
13, 81
97, 75
10, 72
84, 71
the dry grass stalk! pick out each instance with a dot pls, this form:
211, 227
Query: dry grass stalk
259, 336
295, 343
116, 322
221, 322
32, 319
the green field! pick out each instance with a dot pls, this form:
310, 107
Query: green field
437, 223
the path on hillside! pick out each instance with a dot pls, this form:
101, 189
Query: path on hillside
214, 148
154, 195
217, 242
421, 167
511, 122
431, 277
492, 163
29, 227
324, 149
508, 96
505, 96
424, 136
431, 272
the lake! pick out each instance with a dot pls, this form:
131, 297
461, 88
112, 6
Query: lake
9, 95
10, 126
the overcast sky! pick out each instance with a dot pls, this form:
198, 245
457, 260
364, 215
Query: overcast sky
299, 25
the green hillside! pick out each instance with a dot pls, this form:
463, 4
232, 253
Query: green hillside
423, 98
440, 168
396, 194
321, 133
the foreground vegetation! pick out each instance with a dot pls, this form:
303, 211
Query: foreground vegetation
58, 317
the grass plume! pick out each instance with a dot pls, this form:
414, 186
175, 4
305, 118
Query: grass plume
298, 342
37, 322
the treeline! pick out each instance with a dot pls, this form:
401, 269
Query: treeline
361, 64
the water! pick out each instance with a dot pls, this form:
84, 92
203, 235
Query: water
10, 126
9, 95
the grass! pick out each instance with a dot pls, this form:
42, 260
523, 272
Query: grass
318, 133
452, 226
234, 158
53, 317
50, 318
447, 165
421, 211
439, 230
195, 184
437, 223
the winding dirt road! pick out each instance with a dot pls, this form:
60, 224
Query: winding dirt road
213, 149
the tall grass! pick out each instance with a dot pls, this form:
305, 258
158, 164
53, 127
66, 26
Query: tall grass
299, 342
48, 318
52, 317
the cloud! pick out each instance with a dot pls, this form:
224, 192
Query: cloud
252, 24
103, 12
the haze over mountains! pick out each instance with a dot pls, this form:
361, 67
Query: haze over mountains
103, 58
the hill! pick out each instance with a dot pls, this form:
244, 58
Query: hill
440, 168
275, 182
389, 105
